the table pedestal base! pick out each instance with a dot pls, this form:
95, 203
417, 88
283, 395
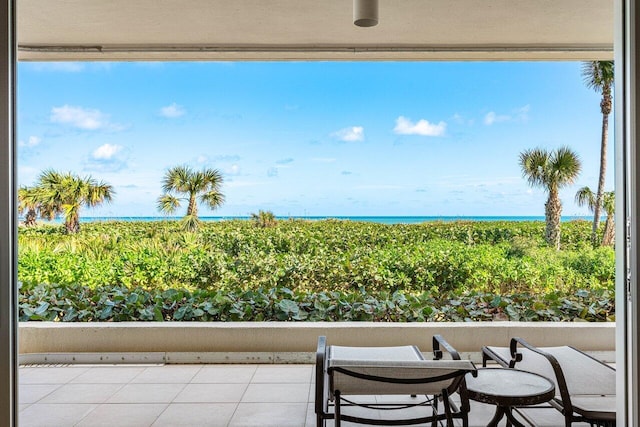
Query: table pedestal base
502, 411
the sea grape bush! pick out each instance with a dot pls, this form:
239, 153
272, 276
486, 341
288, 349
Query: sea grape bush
317, 270
120, 303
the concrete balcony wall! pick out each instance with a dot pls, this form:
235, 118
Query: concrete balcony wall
269, 342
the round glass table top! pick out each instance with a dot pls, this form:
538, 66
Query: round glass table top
509, 387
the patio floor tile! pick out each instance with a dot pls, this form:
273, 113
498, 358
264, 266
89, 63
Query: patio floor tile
111, 374
82, 393
283, 393
167, 374
192, 395
282, 374
123, 415
211, 393
54, 414
50, 375
269, 414
31, 393
225, 374
146, 393
196, 414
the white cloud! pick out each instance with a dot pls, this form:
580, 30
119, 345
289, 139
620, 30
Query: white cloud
519, 114
324, 159
107, 158
202, 159
82, 118
172, 111
350, 134
232, 170
106, 152
461, 120
405, 126
522, 113
491, 117
31, 142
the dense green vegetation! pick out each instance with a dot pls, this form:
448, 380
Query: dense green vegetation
331, 270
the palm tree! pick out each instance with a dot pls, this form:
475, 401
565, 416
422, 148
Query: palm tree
31, 203
585, 196
551, 171
182, 180
264, 219
28, 202
65, 193
598, 75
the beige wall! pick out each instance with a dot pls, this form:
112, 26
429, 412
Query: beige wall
256, 337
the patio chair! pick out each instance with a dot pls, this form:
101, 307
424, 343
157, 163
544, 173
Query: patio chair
585, 387
345, 372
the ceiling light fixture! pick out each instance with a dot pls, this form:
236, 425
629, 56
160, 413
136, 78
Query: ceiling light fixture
365, 13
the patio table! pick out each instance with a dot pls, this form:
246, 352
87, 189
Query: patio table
508, 388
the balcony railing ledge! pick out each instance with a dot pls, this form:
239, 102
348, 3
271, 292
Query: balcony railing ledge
281, 342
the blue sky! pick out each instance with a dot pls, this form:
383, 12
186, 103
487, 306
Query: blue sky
312, 138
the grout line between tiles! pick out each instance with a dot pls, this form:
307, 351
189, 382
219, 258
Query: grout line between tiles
38, 401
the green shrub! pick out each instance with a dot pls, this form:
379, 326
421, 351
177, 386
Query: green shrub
118, 303
362, 263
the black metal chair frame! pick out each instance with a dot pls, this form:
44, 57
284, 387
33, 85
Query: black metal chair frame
451, 411
564, 405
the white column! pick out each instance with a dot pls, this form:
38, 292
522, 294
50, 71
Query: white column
627, 155
8, 245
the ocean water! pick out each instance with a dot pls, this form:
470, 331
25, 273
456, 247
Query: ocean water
376, 219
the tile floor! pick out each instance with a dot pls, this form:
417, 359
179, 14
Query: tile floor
180, 395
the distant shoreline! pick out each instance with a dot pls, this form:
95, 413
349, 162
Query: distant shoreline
373, 219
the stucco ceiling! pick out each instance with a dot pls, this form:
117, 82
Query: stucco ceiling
313, 29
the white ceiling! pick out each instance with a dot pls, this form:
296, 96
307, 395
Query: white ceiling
313, 29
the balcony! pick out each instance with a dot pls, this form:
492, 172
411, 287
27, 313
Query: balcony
236, 374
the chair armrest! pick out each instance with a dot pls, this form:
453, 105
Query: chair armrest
321, 353
513, 349
438, 340
561, 382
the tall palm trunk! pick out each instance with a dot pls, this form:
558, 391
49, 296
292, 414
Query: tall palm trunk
72, 225
609, 232
552, 214
192, 209
30, 217
605, 107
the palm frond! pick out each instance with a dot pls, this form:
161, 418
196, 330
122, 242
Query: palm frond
177, 179
213, 178
213, 199
27, 199
534, 167
598, 75
550, 170
168, 203
586, 197
565, 166
609, 202
98, 192
190, 223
